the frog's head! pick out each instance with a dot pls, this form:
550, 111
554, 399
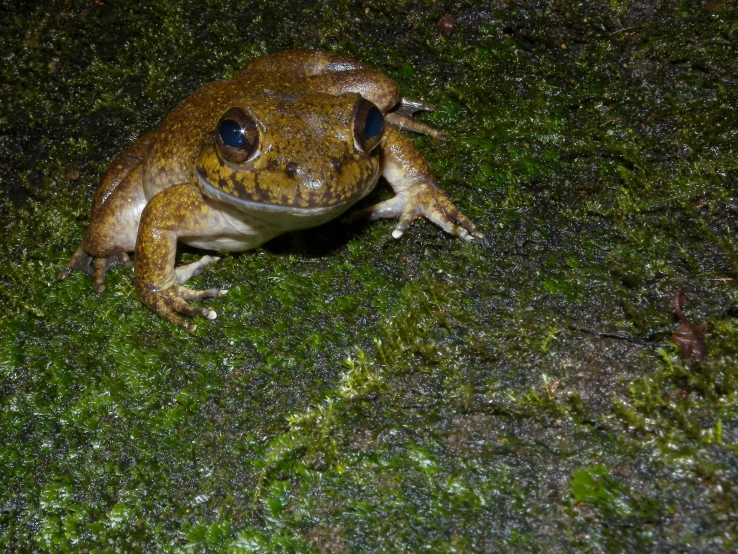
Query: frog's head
305, 156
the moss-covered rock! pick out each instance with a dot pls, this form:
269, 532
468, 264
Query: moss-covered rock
357, 393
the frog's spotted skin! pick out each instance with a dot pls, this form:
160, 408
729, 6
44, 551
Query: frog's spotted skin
292, 142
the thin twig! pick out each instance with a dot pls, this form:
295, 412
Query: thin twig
626, 29
607, 335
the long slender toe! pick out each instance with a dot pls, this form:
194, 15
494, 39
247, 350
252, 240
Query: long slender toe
99, 265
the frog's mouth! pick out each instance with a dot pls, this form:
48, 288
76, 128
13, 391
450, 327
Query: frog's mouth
255, 208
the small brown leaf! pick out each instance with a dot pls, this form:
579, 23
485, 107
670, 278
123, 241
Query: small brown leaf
446, 24
689, 337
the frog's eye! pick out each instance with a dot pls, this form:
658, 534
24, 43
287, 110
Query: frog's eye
238, 136
368, 125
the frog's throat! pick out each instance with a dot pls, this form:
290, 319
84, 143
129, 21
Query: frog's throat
261, 207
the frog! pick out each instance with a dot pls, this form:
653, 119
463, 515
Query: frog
291, 142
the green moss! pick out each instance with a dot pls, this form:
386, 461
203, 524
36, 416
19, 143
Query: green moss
357, 393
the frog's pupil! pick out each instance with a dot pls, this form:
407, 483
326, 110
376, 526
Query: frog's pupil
373, 125
231, 134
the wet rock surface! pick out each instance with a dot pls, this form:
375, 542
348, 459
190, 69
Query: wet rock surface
357, 393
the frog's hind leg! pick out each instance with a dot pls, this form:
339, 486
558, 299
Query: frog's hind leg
116, 211
119, 171
402, 117
303, 63
382, 91
335, 74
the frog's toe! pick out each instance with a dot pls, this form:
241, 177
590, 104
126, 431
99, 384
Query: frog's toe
406, 123
425, 201
94, 266
408, 107
398, 206
186, 272
450, 219
100, 266
407, 218
382, 210
181, 306
192, 294
173, 301
80, 261
123, 259
402, 117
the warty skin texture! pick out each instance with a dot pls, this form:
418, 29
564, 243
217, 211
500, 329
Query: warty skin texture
309, 153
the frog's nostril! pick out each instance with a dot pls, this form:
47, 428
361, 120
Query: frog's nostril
291, 169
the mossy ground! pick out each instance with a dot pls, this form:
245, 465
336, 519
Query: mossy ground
357, 393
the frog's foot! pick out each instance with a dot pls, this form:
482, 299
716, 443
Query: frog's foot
95, 267
402, 118
175, 300
186, 272
416, 192
424, 200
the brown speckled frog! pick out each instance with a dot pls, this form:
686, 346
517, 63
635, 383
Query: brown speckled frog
292, 142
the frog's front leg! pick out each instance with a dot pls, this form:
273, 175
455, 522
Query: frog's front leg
175, 212
416, 192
